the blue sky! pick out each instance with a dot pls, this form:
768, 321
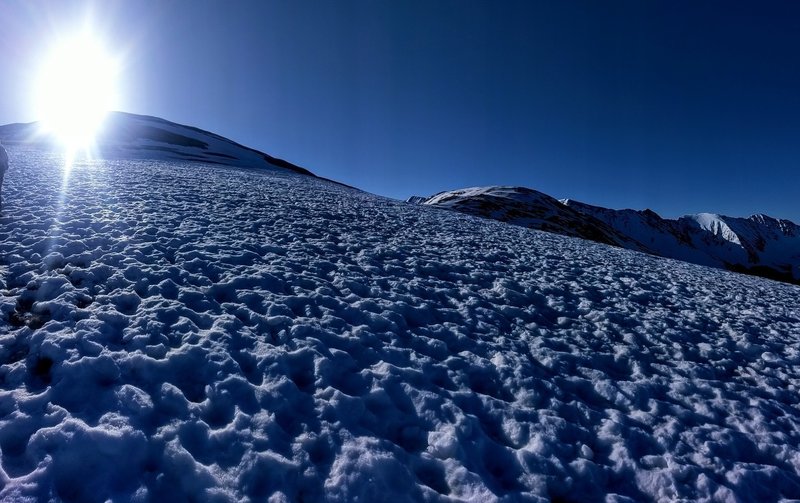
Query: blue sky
678, 106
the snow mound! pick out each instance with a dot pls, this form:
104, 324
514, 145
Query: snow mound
183, 331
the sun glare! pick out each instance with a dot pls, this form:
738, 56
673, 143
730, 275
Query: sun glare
76, 89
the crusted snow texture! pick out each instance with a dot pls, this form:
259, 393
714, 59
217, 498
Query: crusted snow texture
175, 331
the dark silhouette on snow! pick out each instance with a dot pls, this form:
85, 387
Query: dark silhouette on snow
3, 169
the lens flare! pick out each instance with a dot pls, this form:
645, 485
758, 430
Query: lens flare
77, 87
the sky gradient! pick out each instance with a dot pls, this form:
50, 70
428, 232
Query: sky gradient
681, 107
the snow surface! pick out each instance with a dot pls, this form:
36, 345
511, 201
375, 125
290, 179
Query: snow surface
175, 331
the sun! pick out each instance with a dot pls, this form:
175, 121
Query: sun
76, 88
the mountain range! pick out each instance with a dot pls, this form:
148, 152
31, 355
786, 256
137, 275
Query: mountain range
759, 245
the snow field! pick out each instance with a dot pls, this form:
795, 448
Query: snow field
179, 331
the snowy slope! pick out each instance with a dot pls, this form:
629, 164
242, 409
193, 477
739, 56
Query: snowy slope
758, 245
175, 331
131, 136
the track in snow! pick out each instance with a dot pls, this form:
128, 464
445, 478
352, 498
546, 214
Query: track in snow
179, 331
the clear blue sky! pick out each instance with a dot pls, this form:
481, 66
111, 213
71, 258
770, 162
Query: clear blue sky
679, 106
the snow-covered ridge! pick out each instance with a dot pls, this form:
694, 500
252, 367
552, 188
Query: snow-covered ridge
131, 136
526, 207
759, 245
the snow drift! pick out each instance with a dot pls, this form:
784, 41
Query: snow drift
759, 245
183, 331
